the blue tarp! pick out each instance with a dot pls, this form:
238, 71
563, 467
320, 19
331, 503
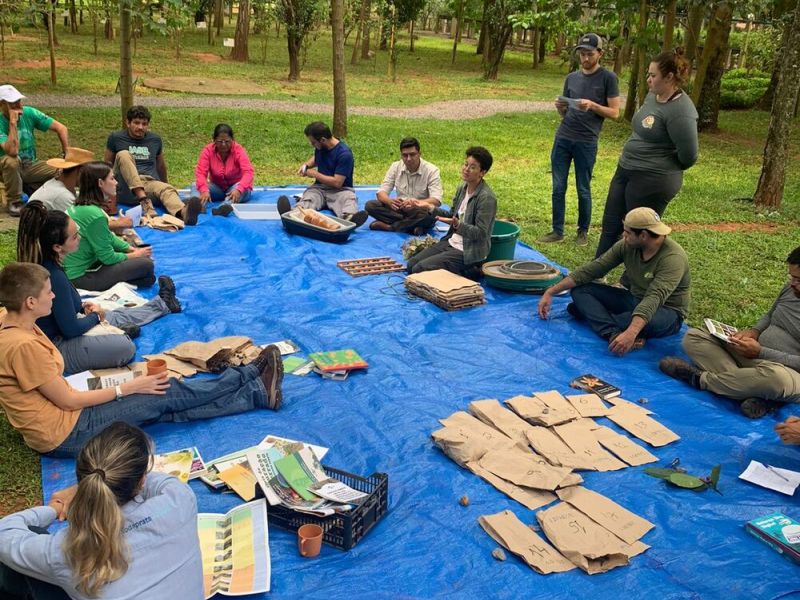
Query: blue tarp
251, 278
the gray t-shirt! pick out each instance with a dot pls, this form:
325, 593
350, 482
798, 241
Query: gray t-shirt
584, 126
54, 195
144, 151
780, 330
664, 137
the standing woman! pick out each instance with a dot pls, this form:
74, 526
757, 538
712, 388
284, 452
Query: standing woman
662, 146
132, 533
223, 171
103, 259
46, 237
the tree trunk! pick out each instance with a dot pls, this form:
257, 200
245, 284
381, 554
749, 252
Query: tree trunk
694, 25
362, 18
125, 60
542, 45
634, 82
294, 44
457, 29
51, 44
411, 37
705, 91
73, 17
481, 48
109, 26
365, 34
496, 45
766, 100
669, 25
93, 14
620, 53
218, 16
537, 35
392, 44
209, 29
239, 52
339, 87
2, 39
769, 193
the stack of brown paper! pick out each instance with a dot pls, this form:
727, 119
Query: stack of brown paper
626, 525
464, 438
578, 436
445, 289
642, 426
528, 497
524, 468
492, 413
536, 412
511, 533
548, 444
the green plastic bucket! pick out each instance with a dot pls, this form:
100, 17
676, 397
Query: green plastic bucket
504, 241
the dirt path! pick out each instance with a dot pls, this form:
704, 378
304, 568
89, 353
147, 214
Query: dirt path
449, 110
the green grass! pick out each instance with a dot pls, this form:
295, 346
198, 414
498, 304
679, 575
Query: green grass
735, 275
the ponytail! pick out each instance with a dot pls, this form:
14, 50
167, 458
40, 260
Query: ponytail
110, 469
39, 230
674, 61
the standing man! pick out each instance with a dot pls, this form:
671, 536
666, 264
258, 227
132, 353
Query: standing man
18, 162
594, 96
419, 192
331, 168
658, 299
139, 165
759, 368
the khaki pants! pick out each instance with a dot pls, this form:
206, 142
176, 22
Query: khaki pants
157, 191
340, 201
15, 173
733, 376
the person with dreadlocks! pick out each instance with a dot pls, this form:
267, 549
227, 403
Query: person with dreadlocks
132, 532
45, 237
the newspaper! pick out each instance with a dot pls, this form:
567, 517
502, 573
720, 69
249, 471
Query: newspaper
121, 295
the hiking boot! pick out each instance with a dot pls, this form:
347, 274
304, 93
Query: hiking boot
550, 238
582, 238
166, 291
380, 226
284, 204
192, 208
132, 331
755, 408
223, 210
147, 208
679, 369
14, 208
359, 218
270, 364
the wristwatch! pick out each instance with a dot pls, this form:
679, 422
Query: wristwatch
118, 391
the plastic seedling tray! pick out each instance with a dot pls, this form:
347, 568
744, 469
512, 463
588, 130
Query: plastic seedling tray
256, 212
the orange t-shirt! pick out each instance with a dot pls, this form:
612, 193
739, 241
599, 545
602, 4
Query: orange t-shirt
29, 359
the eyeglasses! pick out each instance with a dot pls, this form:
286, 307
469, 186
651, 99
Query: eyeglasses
223, 142
470, 167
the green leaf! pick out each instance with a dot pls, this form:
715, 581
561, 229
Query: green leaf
660, 473
714, 477
686, 481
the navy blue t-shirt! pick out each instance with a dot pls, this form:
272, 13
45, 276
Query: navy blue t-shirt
336, 161
585, 126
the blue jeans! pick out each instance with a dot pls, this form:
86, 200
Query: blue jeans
218, 194
609, 310
237, 390
583, 154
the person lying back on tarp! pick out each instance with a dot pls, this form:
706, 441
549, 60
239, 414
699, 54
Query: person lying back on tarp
57, 420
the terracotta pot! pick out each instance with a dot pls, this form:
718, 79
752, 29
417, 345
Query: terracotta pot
156, 366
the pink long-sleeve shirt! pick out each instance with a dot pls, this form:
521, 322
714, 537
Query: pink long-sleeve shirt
235, 170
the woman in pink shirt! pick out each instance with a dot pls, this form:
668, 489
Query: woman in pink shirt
224, 171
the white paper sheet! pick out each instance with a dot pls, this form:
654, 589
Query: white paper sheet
773, 478
80, 381
573, 102
135, 214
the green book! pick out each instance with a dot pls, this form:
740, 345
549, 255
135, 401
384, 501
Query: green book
338, 360
295, 475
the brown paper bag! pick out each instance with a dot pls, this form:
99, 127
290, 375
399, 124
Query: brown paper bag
642, 426
587, 405
511, 533
213, 356
528, 497
165, 222
627, 526
523, 468
463, 444
492, 413
629, 405
570, 480
584, 542
536, 412
556, 401
623, 447
548, 444
578, 436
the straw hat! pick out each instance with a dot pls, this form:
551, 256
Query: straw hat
73, 158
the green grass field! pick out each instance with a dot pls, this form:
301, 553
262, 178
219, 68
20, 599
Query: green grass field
736, 272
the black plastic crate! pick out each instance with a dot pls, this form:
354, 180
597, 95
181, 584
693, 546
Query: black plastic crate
342, 530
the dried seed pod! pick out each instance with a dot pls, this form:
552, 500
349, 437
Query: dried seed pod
464, 501
499, 554
642, 400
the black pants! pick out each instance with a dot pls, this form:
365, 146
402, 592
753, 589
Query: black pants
137, 271
16, 586
439, 256
632, 189
404, 222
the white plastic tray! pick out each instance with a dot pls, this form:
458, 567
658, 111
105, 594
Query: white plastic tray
256, 212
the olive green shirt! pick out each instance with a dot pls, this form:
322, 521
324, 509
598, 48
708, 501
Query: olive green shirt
663, 280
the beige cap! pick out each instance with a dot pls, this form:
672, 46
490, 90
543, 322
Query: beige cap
73, 158
646, 218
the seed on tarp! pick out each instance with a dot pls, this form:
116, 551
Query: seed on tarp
464, 501
499, 554
642, 401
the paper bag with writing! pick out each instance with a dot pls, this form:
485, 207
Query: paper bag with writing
642, 426
588, 405
578, 436
524, 468
511, 533
585, 543
629, 405
492, 413
535, 411
626, 525
623, 447
553, 448
463, 443
528, 497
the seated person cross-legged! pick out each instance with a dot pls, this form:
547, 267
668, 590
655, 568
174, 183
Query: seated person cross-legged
331, 167
45, 238
759, 367
469, 240
223, 172
658, 300
419, 192
102, 259
57, 420
132, 532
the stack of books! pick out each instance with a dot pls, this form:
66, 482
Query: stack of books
445, 289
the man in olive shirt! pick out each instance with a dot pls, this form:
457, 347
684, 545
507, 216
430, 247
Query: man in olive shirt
658, 300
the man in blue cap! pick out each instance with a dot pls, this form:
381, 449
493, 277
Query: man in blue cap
591, 94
